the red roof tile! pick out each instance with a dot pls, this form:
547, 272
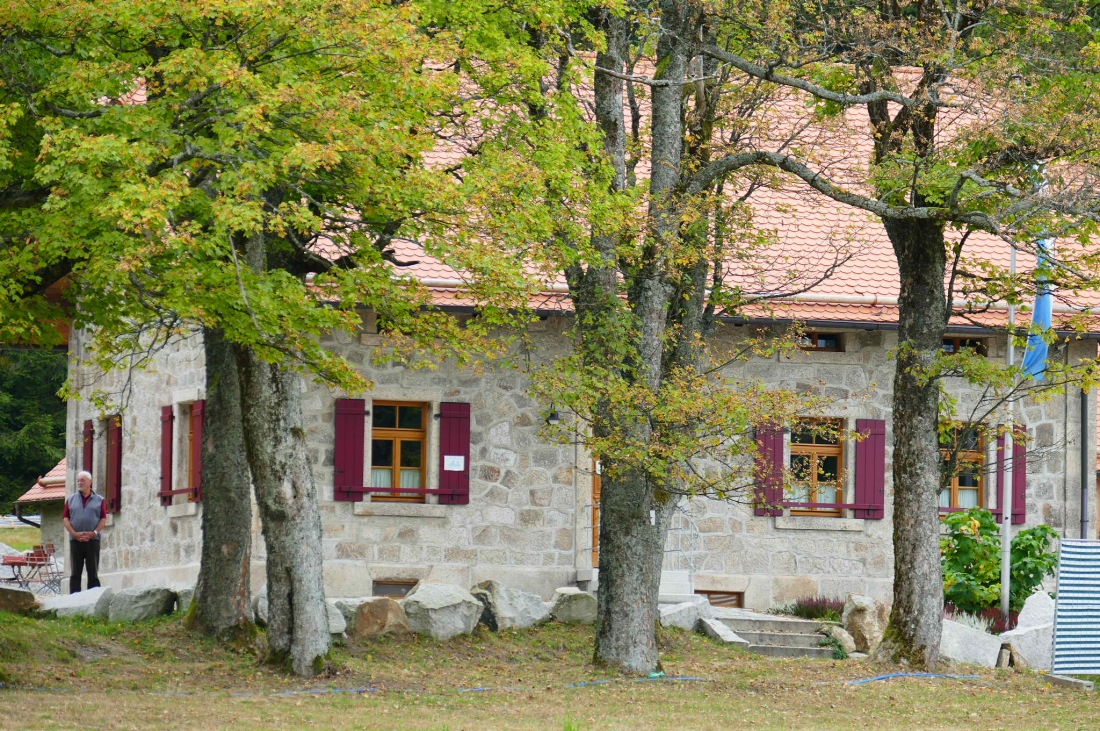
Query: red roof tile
50, 486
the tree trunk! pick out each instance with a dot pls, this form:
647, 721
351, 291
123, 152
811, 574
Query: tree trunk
222, 598
271, 398
913, 635
632, 544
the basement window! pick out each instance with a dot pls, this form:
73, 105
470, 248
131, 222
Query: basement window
827, 342
395, 588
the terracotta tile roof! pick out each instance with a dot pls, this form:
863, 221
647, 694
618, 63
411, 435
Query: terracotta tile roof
50, 486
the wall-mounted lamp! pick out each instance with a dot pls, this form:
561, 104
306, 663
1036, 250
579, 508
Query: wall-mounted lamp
553, 419
437, 415
366, 413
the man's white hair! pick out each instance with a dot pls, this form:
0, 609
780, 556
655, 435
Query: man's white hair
83, 473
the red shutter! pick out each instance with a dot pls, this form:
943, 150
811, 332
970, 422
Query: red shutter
89, 444
1019, 475
454, 441
166, 419
769, 470
871, 468
114, 464
198, 416
347, 467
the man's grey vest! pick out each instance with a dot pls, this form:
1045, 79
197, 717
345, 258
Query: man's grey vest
85, 517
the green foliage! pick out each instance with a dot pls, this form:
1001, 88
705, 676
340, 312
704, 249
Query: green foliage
971, 553
839, 653
32, 419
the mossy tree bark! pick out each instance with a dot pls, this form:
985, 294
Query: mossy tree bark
222, 604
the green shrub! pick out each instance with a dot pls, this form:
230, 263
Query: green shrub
971, 553
814, 607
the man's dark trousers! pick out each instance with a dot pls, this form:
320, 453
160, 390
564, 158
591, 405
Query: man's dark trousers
85, 554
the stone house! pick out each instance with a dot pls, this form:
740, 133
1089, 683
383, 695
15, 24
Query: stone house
443, 475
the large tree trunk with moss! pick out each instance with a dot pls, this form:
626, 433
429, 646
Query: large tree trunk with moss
271, 397
913, 635
222, 599
632, 543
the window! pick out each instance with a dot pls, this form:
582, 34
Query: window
181, 455
398, 447
830, 342
732, 599
953, 345
964, 462
392, 588
816, 459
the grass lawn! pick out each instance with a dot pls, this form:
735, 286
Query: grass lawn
62, 674
23, 538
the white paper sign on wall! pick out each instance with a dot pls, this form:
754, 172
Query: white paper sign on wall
454, 463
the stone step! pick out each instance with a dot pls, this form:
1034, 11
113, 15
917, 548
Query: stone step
763, 623
783, 639
778, 651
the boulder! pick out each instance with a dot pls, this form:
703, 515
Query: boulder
845, 640
336, 622
441, 610
507, 608
376, 616
1032, 644
718, 630
140, 603
685, 615
348, 607
573, 606
259, 607
1038, 611
960, 643
184, 596
17, 601
91, 603
865, 620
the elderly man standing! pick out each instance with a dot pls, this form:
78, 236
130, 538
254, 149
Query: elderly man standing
84, 518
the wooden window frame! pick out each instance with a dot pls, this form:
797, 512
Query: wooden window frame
959, 342
397, 435
976, 457
816, 451
815, 346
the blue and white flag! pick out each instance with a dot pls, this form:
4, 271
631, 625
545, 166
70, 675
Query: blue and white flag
1035, 356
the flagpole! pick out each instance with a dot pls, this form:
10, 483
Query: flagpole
1007, 456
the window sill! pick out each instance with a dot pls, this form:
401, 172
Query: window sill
400, 510
800, 522
182, 510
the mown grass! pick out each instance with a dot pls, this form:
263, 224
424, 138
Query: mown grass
62, 674
23, 538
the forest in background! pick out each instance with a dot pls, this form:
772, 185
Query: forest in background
32, 419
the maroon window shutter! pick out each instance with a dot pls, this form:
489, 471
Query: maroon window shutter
89, 444
114, 464
871, 468
198, 416
454, 441
166, 419
347, 468
769, 470
1019, 475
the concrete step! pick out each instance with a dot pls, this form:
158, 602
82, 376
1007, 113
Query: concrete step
764, 623
779, 651
783, 639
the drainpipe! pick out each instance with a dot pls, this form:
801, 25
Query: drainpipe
21, 519
1085, 471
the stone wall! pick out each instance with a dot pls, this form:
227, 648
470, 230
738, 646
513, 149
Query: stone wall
528, 523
